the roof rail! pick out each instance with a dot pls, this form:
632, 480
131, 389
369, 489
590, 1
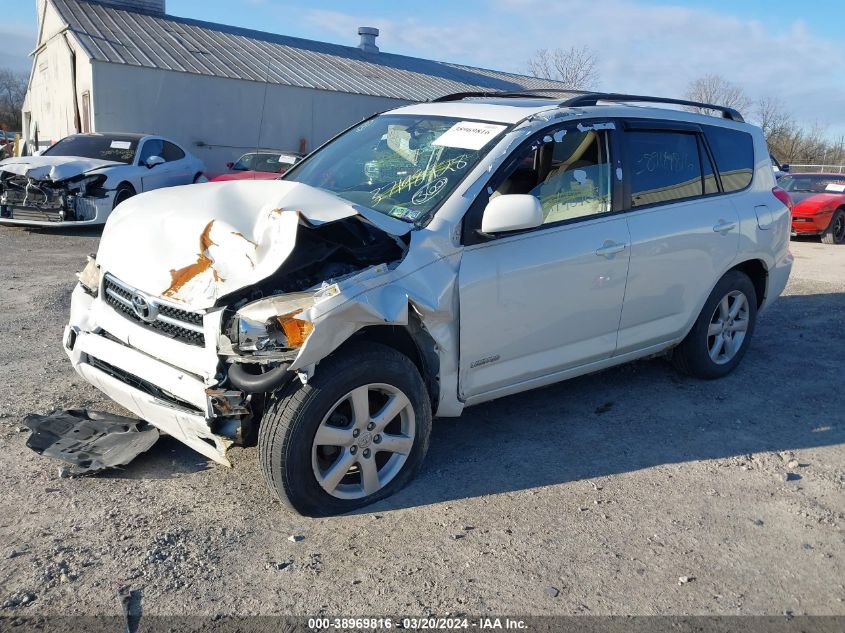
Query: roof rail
457, 96
591, 99
528, 93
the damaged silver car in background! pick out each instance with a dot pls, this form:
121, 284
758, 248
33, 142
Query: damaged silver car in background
428, 259
83, 177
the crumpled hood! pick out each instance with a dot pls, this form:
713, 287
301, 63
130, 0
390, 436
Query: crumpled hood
55, 168
193, 244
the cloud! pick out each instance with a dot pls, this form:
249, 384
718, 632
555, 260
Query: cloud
642, 47
17, 44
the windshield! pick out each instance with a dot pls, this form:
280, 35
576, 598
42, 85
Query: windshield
815, 184
116, 148
400, 165
268, 163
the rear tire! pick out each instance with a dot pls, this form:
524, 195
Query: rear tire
835, 231
720, 336
325, 447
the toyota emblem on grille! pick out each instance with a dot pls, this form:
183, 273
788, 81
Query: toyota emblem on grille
144, 308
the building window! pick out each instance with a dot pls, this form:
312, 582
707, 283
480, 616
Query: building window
86, 112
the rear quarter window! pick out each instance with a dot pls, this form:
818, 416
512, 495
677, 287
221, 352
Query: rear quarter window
733, 152
172, 152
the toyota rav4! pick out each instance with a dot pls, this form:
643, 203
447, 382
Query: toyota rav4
428, 259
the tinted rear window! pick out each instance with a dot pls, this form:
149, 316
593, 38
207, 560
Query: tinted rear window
665, 167
115, 148
734, 154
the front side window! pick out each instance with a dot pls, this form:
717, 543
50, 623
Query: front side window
569, 174
664, 166
400, 165
733, 152
153, 147
101, 147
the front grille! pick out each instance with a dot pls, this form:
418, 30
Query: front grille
141, 385
170, 321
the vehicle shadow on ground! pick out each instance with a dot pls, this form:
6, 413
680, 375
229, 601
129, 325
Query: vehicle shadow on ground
644, 414
70, 231
167, 459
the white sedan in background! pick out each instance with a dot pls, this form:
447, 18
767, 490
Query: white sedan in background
83, 177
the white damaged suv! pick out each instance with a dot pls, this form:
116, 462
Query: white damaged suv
428, 259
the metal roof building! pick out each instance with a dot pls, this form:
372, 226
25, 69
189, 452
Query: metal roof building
125, 65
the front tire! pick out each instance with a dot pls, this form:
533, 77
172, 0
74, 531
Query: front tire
124, 192
720, 336
835, 231
354, 434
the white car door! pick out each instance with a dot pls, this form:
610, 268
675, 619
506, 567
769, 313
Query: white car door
175, 170
684, 235
547, 299
180, 166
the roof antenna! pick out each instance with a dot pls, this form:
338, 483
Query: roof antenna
263, 104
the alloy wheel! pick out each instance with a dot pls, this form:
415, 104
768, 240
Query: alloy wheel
728, 327
364, 441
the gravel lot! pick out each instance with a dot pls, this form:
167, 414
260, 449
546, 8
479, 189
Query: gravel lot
633, 491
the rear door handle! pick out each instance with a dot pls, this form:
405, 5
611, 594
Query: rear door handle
723, 227
611, 248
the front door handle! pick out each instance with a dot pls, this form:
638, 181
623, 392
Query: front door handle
609, 249
723, 227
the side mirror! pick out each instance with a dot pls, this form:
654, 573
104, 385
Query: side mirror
229, 165
785, 168
152, 161
511, 212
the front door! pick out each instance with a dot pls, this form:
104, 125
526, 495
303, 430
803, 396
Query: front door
547, 299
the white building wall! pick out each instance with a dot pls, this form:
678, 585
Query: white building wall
49, 104
217, 118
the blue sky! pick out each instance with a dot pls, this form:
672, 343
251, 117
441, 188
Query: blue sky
772, 48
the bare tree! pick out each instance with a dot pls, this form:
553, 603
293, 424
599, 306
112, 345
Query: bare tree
771, 115
574, 67
717, 90
12, 93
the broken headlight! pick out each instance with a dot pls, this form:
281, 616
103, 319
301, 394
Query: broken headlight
273, 324
89, 278
90, 185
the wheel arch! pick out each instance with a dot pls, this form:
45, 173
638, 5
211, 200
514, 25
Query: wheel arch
759, 274
412, 340
128, 185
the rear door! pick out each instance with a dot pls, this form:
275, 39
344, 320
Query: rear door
684, 235
540, 301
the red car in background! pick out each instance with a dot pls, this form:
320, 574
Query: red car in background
819, 205
259, 166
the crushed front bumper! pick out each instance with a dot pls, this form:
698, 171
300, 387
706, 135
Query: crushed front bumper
97, 211
137, 369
